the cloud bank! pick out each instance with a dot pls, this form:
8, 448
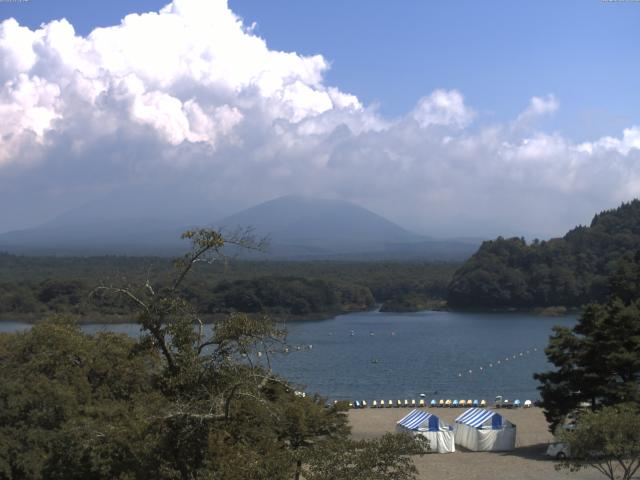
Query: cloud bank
190, 98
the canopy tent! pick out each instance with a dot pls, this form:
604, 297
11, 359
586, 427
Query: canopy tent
440, 435
482, 430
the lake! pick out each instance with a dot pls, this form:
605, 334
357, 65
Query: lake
377, 355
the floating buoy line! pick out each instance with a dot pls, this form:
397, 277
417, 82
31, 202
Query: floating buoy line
502, 361
286, 349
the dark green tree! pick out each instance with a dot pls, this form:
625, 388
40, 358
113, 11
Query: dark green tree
74, 405
607, 440
570, 271
598, 361
184, 402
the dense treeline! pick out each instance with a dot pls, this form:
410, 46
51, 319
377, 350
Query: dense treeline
596, 363
568, 271
32, 287
284, 295
598, 360
176, 404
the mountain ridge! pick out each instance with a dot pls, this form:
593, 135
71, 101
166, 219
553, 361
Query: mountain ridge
299, 227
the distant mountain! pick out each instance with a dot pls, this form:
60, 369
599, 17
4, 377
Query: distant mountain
312, 228
568, 271
298, 227
322, 222
135, 221
131, 236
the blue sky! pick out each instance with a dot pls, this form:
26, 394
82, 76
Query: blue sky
465, 118
497, 53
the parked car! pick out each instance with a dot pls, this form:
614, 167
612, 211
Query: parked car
558, 450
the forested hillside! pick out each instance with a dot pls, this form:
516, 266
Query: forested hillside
33, 287
568, 271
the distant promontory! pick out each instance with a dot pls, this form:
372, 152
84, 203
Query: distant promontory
569, 271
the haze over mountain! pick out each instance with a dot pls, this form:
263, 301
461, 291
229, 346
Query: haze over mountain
295, 219
297, 227
245, 101
306, 227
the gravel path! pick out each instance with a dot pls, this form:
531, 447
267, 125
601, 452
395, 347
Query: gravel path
527, 461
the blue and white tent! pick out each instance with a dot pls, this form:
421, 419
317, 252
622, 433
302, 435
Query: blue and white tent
482, 430
440, 435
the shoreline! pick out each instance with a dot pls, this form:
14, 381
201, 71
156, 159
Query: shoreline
96, 318
208, 319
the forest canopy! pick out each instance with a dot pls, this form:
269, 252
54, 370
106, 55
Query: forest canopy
569, 271
33, 287
179, 403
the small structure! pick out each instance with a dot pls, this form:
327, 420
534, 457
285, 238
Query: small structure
483, 430
440, 435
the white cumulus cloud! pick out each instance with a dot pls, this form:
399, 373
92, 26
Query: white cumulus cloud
443, 107
190, 98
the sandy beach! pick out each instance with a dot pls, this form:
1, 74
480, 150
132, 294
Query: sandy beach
527, 461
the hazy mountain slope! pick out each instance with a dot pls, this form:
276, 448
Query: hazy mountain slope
134, 236
296, 219
298, 227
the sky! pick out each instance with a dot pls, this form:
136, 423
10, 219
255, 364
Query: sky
457, 118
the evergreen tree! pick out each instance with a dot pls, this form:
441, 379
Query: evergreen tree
598, 361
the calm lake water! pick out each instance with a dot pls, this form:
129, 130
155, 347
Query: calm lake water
378, 355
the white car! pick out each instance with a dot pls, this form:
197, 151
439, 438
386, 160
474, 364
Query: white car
558, 450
